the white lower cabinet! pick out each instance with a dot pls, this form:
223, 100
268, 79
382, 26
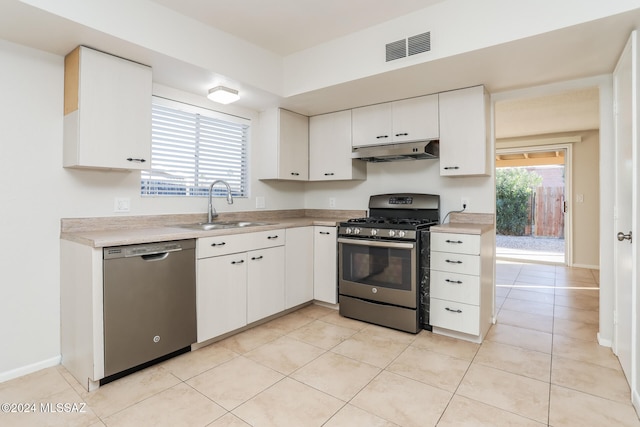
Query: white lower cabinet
298, 279
461, 285
265, 283
237, 288
221, 295
325, 274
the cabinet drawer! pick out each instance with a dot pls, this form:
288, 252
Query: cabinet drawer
455, 316
234, 243
455, 287
455, 263
458, 243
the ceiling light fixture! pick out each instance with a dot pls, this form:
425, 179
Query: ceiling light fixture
223, 95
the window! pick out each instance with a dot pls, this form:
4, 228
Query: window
191, 147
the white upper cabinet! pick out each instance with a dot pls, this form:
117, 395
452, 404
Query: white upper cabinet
283, 145
330, 149
464, 124
107, 111
407, 120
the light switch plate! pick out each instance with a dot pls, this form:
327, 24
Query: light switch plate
122, 204
260, 202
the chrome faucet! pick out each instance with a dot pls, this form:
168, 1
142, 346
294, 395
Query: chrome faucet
212, 211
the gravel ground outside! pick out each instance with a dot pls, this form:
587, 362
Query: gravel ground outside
541, 244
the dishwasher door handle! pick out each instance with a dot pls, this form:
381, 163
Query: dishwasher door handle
155, 257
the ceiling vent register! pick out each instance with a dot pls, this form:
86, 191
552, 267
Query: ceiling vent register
406, 47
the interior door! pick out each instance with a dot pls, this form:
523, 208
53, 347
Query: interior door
625, 98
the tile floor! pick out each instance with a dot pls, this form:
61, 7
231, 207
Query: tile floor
539, 365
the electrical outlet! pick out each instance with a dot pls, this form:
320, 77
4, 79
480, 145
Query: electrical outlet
464, 203
122, 204
332, 202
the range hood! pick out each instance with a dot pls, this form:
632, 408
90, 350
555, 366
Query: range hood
396, 152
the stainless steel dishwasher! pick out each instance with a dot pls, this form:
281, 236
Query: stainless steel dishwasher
149, 303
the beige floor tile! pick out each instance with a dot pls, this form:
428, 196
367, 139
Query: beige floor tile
578, 298
285, 354
516, 360
502, 291
578, 330
543, 295
228, 420
520, 337
288, 323
446, 345
589, 378
179, 405
570, 408
579, 274
289, 403
234, 382
45, 412
190, 364
585, 351
336, 375
370, 348
127, 391
315, 311
585, 316
463, 412
350, 416
436, 369
402, 400
499, 302
71, 380
335, 319
514, 393
536, 278
537, 322
389, 334
250, 339
528, 307
322, 334
532, 287
37, 385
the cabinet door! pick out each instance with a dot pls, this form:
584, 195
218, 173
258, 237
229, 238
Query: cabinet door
330, 148
325, 273
221, 295
265, 283
463, 132
107, 111
298, 266
293, 150
415, 119
372, 125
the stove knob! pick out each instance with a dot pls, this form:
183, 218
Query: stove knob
401, 233
374, 232
356, 230
392, 233
348, 230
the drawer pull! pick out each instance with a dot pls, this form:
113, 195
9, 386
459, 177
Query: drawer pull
382, 136
453, 311
324, 232
402, 134
451, 167
218, 244
272, 237
237, 262
295, 173
454, 241
256, 258
457, 282
453, 261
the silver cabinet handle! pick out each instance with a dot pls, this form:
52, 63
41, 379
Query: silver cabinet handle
453, 311
621, 237
256, 258
218, 244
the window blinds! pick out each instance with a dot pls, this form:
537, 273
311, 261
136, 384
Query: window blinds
191, 147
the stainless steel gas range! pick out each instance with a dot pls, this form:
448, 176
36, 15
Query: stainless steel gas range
383, 261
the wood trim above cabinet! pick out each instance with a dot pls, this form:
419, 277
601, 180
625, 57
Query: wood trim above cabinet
71, 80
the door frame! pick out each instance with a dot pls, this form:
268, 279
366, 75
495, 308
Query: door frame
533, 145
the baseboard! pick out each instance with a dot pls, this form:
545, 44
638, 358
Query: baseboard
635, 400
603, 342
24, 370
590, 267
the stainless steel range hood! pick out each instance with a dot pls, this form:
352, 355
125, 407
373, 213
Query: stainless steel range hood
396, 152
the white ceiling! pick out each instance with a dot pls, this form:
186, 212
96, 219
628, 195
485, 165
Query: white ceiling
288, 26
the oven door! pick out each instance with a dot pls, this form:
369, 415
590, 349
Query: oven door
378, 270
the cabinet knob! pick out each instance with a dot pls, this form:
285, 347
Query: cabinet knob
133, 159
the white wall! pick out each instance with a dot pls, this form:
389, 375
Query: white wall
37, 191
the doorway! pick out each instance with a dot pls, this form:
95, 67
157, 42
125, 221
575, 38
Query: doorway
532, 221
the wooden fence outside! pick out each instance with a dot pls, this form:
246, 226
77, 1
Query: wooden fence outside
546, 213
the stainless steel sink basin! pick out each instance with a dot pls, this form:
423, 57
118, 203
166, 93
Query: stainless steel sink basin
206, 226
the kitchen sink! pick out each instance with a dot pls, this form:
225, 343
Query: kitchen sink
206, 226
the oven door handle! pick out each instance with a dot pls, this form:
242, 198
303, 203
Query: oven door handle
377, 243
